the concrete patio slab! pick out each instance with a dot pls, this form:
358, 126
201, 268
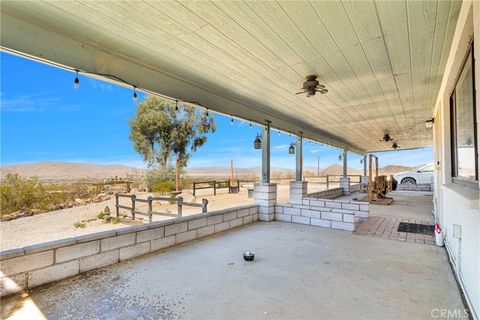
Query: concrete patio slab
299, 272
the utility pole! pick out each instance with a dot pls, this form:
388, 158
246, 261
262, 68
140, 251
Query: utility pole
176, 176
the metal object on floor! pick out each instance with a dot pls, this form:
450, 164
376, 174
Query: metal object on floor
248, 256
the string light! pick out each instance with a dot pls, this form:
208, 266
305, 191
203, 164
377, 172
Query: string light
135, 96
231, 121
251, 124
176, 105
206, 113
76, 82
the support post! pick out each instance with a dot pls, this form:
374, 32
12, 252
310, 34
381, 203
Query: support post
364, 177
150, 209
370, 171
179, 206
133, 207
116, 205
266, 153
299, 156
214, 187
345, 180
265, 193
318, 166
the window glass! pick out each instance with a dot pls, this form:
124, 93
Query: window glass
464, 124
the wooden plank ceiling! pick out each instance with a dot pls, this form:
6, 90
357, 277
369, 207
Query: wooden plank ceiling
382, 61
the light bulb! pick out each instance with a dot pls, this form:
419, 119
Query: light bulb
135, 96
176, 105
76, 82
231, 121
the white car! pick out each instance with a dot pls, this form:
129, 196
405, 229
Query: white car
423, 174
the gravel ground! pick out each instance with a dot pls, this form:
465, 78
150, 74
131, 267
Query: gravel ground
59, 224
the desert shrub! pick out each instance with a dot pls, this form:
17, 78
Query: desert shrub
163, 187
18, 193
29, 194
159, 174
79, 225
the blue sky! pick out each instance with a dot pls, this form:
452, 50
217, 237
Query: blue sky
43, 118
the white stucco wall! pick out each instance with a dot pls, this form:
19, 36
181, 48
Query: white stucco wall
456, 205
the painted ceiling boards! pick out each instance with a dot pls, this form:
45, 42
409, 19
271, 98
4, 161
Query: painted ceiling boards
381, 61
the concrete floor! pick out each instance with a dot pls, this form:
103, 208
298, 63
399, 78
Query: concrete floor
412, 205
300, 272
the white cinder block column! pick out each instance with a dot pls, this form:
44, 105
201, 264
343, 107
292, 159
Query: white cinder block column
265, 195
345, 185
298, 190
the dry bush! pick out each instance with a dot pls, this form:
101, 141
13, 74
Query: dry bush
30, 194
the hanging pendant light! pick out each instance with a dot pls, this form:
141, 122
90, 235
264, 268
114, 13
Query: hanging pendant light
291, 149
135, 96
231, 120
76, 82
176, 105
257, 143
340, 157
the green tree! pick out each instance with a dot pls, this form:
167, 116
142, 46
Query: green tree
161, 134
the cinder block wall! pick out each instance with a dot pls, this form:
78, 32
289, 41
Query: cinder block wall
38, 264
327, 194
335, 214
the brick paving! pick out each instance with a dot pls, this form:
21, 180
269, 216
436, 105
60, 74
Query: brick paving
387, 228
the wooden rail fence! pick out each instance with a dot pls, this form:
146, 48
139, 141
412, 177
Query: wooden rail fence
179, 200
224, 184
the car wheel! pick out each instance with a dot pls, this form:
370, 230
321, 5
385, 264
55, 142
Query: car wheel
409, 181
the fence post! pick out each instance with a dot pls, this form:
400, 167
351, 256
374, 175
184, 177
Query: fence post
150, 209
214, 188
179, 206
117, 209
133, 207
204, 205
194, 189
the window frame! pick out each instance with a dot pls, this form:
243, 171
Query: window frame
453, 124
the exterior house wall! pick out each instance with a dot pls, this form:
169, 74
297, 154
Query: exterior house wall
456, 206
42, 263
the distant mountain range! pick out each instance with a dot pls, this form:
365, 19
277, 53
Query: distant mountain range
66, 171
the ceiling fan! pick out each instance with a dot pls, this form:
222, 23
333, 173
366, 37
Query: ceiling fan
386, 138
312, 86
